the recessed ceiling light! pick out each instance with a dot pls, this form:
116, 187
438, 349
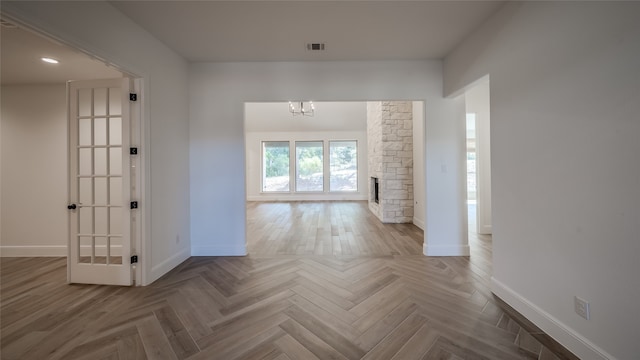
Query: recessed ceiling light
50, 60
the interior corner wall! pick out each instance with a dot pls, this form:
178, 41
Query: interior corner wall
218, 92
565, 90
34, 170
418, 165
100, 29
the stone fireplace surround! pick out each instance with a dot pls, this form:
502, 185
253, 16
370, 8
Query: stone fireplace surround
390, 147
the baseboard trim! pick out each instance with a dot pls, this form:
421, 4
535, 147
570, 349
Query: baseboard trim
485, 230
419, 223
564, 335
240, 250
33, 251
445, 250
167, 265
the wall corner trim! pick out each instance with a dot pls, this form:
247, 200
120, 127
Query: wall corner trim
563, 334
419, 223
33, 251
445, 250
485, 230
167, 265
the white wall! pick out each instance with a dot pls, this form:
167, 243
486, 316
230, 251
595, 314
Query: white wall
253, 142
100, 29
565, 105
34, 170
446, 177
477, 100
219, 91
418, 165
328, 116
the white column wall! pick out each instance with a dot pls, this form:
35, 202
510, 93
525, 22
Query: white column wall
565, 105
446, 177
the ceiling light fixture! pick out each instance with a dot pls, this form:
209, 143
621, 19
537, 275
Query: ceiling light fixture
306, 108
50, 60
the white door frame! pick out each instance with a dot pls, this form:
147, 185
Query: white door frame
142, 244
91, 133
137, 181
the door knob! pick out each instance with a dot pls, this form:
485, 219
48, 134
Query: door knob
71, 207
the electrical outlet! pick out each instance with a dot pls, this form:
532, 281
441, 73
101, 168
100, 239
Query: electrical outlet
177, 239
582, 307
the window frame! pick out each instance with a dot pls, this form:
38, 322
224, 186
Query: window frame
294, 166
263, 167
357, 166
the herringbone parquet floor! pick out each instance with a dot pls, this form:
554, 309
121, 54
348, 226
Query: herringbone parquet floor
284, 301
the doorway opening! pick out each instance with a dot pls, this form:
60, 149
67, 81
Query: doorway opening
477, 102
334, 155
471, 171
35, 146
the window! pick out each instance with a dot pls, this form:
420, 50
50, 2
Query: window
343, 166
314, 172
275, 166
309, 166
471, 156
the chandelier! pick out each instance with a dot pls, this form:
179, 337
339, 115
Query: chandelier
304, 108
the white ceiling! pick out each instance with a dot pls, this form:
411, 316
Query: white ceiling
21, 61
329, 116
212, 30
203, 31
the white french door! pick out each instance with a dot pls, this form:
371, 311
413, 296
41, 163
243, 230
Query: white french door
99, 182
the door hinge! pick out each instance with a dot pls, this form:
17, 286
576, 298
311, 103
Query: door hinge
134, 205
133, 97
133, 151
134, 259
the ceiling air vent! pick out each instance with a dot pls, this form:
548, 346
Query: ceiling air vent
315, 46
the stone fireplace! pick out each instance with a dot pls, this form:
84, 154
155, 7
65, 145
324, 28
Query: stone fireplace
390, 146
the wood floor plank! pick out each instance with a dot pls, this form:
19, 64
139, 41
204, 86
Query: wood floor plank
327, 284
396, 339
237, 324
233, 342
325, 304
265, 351
384, 295
331, 321
418, 345
293, 349
179, 338
326, 333
131, 348
387, 323
156, 345
310, 341
323, 280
